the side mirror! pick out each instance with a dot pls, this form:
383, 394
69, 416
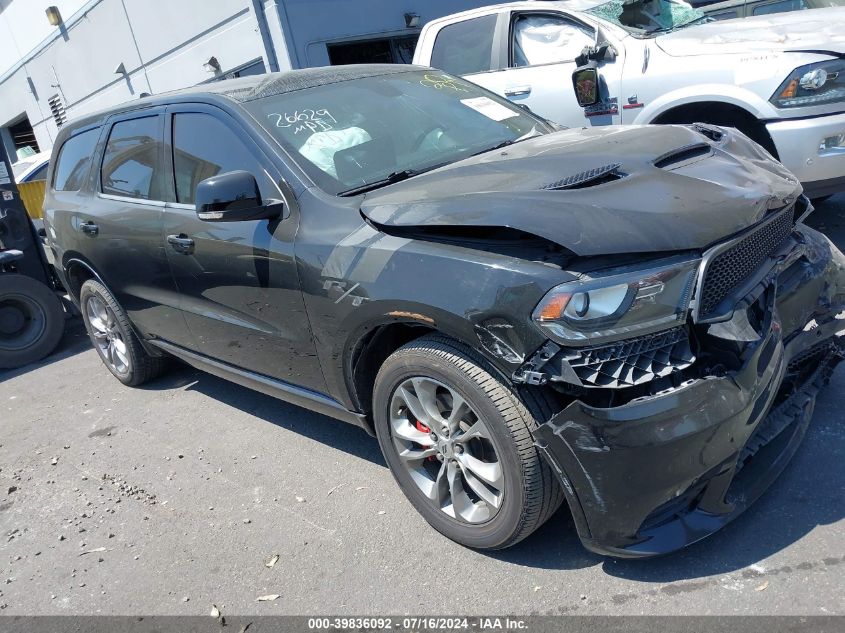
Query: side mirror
233, 197
585, 80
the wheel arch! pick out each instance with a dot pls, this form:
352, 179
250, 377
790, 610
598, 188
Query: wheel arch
371, 347
720, 113
718, 93
376, 341
77, 270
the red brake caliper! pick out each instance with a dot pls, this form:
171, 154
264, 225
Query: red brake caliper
422, 428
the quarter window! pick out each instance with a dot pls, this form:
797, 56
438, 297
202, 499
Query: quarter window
204, 146
74, 161
547, 39
131, 164
38, 174
465, 47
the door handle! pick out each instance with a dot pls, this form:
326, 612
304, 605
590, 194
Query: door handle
181, 243
515, 91
89, 228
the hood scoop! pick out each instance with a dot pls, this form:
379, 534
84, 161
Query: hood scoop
683, 155
589, 178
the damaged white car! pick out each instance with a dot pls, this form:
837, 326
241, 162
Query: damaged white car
780, 79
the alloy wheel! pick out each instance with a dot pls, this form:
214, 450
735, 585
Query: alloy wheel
107, 335
447, 449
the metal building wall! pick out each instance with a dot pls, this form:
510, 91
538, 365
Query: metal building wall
163, 45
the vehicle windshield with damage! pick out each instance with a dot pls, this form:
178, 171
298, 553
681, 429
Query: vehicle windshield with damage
353, 136
644, 18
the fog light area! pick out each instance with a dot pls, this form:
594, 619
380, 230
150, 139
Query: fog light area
832, 144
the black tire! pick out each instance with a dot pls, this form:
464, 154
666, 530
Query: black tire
531, 492
140, 366
32, 320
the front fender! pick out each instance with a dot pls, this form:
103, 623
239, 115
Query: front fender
481, 299
721, 93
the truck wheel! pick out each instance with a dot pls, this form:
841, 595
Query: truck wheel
32, 320
113, 337
458, 441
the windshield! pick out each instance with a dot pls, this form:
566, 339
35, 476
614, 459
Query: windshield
358, 134
648, 17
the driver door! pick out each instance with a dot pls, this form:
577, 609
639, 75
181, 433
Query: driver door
541, 52
238, 281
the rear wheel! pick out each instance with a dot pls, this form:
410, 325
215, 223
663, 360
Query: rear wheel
458, 441
113, 338
32, 320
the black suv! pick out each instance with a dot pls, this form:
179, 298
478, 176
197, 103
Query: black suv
633, 319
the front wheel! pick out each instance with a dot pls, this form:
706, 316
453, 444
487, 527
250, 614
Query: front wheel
458, 441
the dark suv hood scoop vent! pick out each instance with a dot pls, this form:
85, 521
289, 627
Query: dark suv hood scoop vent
683, 155
589, 178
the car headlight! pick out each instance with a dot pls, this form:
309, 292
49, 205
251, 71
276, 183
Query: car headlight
814, 84
598, 309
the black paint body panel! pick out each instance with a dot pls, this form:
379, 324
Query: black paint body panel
283, 304
621, 466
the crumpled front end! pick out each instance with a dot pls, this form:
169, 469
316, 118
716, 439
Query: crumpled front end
669, 436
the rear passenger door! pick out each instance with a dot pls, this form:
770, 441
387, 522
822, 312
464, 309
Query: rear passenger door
238, 280
119, 227
470, 48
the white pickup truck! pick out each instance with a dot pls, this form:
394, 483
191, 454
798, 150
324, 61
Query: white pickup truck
780, 79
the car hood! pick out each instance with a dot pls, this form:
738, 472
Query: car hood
675, 189
816, 30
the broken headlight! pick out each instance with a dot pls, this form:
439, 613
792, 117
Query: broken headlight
814, 84
597, 309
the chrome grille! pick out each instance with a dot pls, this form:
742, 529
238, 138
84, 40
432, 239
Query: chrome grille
733, 266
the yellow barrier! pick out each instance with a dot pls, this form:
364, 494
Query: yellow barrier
32, 194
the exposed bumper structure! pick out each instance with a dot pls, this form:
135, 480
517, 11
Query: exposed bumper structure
814, 150
664, 470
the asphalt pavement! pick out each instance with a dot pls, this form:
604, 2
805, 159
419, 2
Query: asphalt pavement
193, 492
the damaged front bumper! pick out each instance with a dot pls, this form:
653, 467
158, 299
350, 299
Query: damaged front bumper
668, 467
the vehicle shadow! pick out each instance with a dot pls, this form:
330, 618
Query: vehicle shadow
74, 341
788, 511
321, 428
809, 493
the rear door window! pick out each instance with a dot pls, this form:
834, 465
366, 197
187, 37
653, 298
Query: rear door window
132, 160
464, 48
74, 160
204, 146
548, 39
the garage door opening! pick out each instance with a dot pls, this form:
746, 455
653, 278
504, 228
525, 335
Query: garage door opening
387, 50
23, 137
